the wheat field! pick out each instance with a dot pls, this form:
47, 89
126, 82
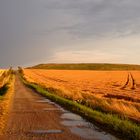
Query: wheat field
110, 91
2, 77
1, 71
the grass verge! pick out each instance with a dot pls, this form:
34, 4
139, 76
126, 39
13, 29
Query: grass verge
113, 123
5, 101
8, 76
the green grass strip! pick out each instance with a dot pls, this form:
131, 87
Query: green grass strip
121, 127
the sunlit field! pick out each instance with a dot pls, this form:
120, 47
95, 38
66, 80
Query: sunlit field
6, 90
1, 71
2, 76
109, 91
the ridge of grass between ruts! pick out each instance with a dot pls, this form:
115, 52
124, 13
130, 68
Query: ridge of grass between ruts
121, 127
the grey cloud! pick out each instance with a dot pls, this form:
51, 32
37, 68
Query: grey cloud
99, 18
33, 30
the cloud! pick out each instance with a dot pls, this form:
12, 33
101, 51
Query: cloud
104, 18
38, 29
92, 56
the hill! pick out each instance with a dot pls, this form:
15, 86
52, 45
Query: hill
87, 66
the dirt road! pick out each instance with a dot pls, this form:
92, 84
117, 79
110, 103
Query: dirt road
27, 114
31, 118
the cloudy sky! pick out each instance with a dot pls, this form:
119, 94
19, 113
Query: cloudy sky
67, 31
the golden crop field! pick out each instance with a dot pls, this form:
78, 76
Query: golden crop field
1, 77
111, 91
1, 71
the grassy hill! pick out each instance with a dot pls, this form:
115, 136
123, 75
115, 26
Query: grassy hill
87, 66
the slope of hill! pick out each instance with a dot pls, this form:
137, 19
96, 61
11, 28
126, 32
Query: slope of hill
87, 66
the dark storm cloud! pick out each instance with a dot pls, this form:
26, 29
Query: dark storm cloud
33, 30
102, 17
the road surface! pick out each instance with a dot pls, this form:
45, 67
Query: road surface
27, 118
31, 118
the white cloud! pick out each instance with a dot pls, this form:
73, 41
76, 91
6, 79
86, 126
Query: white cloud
84, 57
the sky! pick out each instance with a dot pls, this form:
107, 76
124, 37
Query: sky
69, 31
